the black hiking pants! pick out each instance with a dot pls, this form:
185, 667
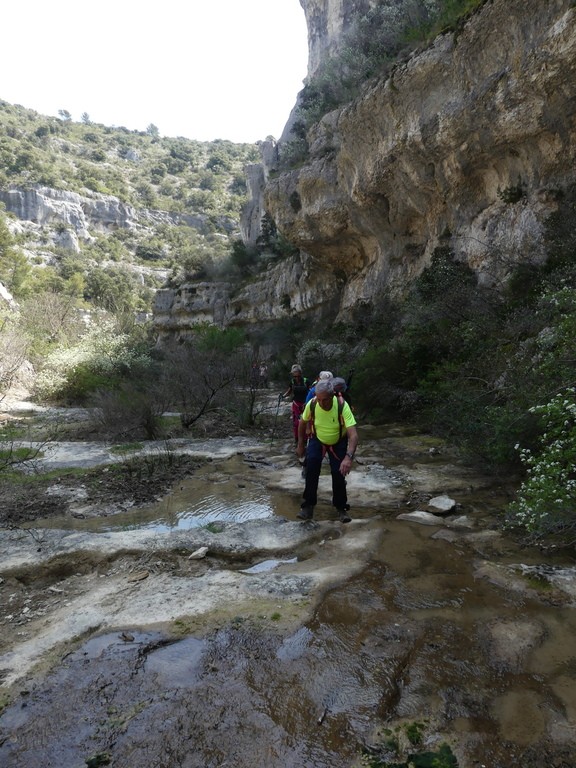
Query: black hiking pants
315, 452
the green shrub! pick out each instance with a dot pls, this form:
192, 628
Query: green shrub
244, 258
512, 194
209, 338
546, 501
101, 359
443, 757
81, 382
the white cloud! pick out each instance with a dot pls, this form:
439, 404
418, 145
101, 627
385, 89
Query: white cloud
227, 69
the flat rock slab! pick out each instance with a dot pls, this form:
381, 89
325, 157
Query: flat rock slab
101, 600
60, 455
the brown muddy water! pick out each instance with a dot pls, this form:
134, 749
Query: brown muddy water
441, 651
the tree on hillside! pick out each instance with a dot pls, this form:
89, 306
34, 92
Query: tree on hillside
50, 318
113, 289
14, 267
13, 353
5, 239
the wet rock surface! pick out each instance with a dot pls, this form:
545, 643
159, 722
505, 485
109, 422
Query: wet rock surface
286, 643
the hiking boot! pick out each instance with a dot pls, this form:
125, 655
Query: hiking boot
306, 513
343, 515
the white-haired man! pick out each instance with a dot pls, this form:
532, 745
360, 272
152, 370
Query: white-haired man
326, 427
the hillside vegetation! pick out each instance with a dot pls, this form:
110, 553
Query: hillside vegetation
192, 191
75, 321
139, 167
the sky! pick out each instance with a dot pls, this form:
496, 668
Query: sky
201, 69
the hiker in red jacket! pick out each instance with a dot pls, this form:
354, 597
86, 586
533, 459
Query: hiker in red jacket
297, 389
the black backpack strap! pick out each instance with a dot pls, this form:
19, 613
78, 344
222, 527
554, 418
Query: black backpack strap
341, 421
312, 431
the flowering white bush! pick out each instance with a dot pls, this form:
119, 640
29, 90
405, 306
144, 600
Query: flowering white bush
101, 353
546, 501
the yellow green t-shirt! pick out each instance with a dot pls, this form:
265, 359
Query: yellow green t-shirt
327, 424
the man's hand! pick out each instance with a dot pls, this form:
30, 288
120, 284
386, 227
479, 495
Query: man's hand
345, 466
300, 449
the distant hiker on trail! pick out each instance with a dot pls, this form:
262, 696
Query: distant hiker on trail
297, 389
330, 427
263, 375
322, 376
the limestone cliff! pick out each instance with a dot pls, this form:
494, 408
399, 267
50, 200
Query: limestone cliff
327, 22
81, 217
469, 144
177, 310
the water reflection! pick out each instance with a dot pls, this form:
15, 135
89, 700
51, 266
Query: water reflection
207, 498
191, 510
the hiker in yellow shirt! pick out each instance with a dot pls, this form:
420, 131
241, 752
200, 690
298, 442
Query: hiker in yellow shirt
329, 427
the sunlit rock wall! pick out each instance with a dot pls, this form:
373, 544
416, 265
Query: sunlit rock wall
327, 22
85, 216
468, 144
433, 155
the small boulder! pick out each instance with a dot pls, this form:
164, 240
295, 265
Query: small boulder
424, 518
198, 554
441, 505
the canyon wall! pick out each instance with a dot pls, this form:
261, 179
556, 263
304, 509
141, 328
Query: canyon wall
470, 143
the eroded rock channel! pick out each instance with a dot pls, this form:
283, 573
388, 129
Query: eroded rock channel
212, 628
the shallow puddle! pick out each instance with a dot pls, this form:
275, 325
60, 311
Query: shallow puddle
212, 495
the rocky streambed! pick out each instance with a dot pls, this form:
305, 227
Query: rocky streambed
209, 627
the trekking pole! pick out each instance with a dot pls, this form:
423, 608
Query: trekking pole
276, 417
350, 374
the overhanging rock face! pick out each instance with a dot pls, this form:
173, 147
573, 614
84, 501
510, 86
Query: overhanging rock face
468, 144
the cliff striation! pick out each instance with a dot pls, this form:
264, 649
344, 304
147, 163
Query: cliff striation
327, 22
468, 144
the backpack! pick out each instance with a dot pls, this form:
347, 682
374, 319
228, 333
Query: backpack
341, 389
341, 402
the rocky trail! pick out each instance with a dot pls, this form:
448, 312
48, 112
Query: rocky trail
146, 620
